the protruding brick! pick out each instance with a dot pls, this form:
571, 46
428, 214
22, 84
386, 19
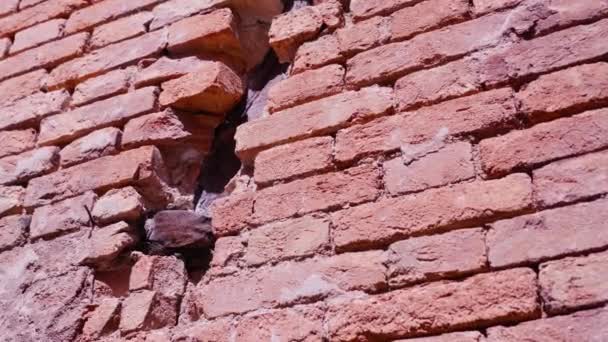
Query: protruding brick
469, 336
11, 200
106, 244
545, 142
21, 86
385, 221
95, 145
316, 118
435, 257
164, 274
548, 234
426, 16
362, 9
290, 30
501, 297
296, 159
333, 190
450, 164
232, 214
571, 180
79, 122
305, 87
317, 53
99, 88
146, 310
134, 166
124, 204
37, 35
214, 88
22, 167
293, 324
574, 283
165, 69
14, 142
300, 237
105, 315
173, 10
27, 111
62, 216
121, 29
33, 15
476, 115
13, 231
102, 12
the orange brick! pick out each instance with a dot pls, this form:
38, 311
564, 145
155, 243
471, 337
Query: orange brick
363, 36
21, 86
60, 217
104, 86
232, 214
317, 53
103, 12
37, 14
290, 30
426, 16
100, 143
165, 69
121, 29
27, 111
171, 11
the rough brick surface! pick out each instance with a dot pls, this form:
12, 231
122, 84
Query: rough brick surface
37, 35
14, 142
11, 199
365, 9
165, 69
22, 167
426, 16
173, 10
300, 324
121, 29
103, 11
110, 84
21, 86
62, 216
97, 144
26, 111
13, 231
118, 205
232, 214
33, 15
472, 336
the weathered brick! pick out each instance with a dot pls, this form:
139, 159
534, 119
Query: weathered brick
14, 142
316, 118
103, 12
216, 330
364, 9
163, 274
580, 326
99, 88
501, 297
288, 31
563, 13
95, 145
571, 180
27, 3
426, 16
317, 53
21, 86
8, 6
171, 11
79, 122
327, 191
305, 87
121, 29
300, 237
102, 318
450, 164
11, 200
147, 310
296, 159
388, 220
576, 89
476, 115
228, 251
469, 336
13, 231
545, 142
107, 58
37, 35
293, 283
124, 204
27, 111
33, 15
158, 128
548, 234
293, 324
62, 216
363, 36
573, 283
486, 6
214, 88
5, 45
435, 257
22, 167
45, 56
134, 166
232, 214
165, 69
105, 245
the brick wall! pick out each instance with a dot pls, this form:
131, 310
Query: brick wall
428, 171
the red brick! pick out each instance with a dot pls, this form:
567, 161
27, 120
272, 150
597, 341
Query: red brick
22, 167
13, 230
121, 29
98, 144
165, 69
293, 324
79, 122
476, 115
323, 192
469, 336
45, 56
124, 204
37, 35
316, 118
317, 53
571, 180
107, 58
164, 128
62, 217
290, 30
26, 112
545, 142
21, 86
364, 9
214, 87
436, 257
102, 318
548, 234
300, 237
380, 223
293, 283
8, 6
14, 142
103, 12
500, 297
363, 36
580, 326
146, 310
227, 253
33, 15
104, 86
486, 6
449, 164
134, 166
574, 283
11, 200
296, 159
163, 274
426, 16
425, 50
305, 87
232, 214
576, 88
201, 330
567, 13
